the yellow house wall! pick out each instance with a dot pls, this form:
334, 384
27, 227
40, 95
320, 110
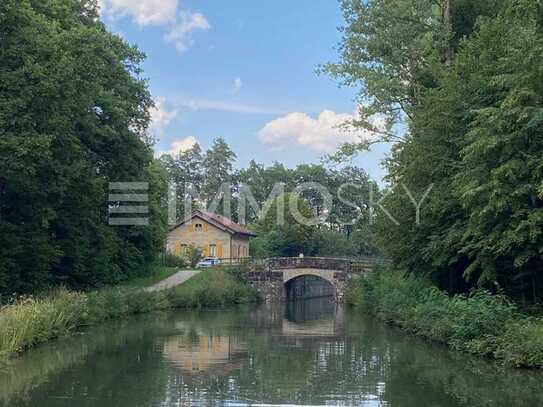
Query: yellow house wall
243, 242
187, 235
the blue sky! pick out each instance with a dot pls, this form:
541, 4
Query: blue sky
244, 71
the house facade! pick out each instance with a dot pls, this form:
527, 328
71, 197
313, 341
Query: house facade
215, 235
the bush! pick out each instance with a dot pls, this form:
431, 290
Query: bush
480, 323
194, 255
168, 259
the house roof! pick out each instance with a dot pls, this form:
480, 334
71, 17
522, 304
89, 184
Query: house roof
219, 221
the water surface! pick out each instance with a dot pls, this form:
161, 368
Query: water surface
306, 353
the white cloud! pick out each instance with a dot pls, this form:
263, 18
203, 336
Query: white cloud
179, 145
181, 32
323, 134
180, 24
161, 116
143, 12
218, 105
237, 85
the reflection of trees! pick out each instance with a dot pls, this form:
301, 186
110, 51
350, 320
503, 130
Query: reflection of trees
418, 371
99, 353
249, 356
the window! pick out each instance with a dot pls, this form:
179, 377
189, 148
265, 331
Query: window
198, 227
184, 250
212, 250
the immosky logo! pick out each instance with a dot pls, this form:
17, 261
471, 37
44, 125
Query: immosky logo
128, 203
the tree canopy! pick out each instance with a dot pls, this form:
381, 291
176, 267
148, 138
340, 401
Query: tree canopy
74, 111
470, 105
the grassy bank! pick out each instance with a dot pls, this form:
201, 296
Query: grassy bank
158, 273
482, 323
33, 320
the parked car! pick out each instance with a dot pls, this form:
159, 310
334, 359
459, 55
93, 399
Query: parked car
208, 262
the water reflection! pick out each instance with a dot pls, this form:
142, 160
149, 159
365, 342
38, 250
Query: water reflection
310, 352
196, 352
316, 317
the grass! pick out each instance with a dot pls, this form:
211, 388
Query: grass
212, 288
481, 323
158, 274
33, 320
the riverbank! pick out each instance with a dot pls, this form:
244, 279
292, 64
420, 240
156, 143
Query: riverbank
481, 324
33, 320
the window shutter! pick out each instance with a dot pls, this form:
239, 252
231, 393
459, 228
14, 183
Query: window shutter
219, 250
205, 227
191, 228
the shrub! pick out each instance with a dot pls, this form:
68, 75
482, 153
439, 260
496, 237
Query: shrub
480, 323
168, 259
194, 255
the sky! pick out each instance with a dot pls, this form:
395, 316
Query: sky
244, 71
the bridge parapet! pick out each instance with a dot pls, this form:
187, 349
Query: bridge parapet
323, 263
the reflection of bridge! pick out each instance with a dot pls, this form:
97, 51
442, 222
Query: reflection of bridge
285, 278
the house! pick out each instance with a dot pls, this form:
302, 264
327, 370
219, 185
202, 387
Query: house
215, 235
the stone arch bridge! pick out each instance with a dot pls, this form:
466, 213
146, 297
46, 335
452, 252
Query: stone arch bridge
287, 278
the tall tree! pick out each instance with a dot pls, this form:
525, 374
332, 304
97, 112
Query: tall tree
395, 51
185, 172
218, 173
73, 117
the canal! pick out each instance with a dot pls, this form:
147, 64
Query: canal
309, 352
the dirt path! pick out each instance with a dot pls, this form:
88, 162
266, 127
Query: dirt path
178, 278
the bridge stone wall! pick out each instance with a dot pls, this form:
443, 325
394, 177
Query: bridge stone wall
270, 276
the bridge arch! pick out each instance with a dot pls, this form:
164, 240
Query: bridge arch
308, 283
289, 274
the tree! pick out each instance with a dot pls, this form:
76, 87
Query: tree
500, 178
472, 136
194, 255
218, 171
395, 51
73, 116
261, 180
185, 171
284, 232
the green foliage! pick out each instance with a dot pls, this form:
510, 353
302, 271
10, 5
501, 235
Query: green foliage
194, 255
283, 228
467, 88
331, 243
73, 116
395, 51
185, 170
33, 320
168, 259
481, 323
217, 165
212, 288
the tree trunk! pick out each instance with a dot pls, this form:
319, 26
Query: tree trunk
447, 21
